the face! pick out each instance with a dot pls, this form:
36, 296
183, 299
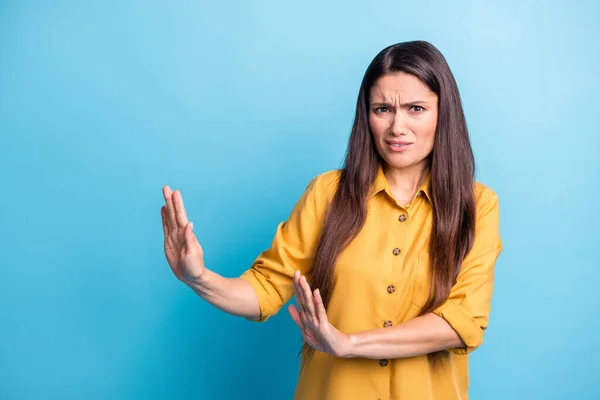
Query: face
403, 117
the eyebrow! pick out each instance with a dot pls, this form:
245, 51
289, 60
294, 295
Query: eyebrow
410, 103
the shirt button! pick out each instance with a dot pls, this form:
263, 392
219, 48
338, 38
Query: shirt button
387, 324
396, 251
391, 289
402, 218
383, 363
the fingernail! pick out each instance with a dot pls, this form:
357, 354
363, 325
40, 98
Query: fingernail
192, 225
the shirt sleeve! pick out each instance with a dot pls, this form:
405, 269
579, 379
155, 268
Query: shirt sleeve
468, 306
293, 247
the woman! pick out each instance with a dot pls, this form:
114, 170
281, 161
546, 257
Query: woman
391, 257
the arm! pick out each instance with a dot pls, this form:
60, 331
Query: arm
459, 323
418, 336
232, 295
186, 259
263, 289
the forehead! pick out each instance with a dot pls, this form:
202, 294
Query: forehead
401, 84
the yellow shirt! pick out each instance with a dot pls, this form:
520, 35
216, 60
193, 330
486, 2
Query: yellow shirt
374, 284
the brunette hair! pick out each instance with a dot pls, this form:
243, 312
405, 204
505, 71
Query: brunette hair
452, 168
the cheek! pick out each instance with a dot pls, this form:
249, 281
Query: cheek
428, 134
375, 126
428, 141
425, 136
427, 149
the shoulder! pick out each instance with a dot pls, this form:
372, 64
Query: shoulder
330, 179
325, 184
319, 192
486, 199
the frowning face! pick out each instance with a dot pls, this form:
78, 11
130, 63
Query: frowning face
403, 118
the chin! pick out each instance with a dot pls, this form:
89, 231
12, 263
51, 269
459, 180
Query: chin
401, 161
399, 165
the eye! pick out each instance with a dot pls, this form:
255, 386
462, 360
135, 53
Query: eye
420, 109
380, 108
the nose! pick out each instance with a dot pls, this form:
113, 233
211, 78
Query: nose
398, 127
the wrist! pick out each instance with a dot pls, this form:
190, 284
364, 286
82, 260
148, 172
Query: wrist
352, 343
199, 282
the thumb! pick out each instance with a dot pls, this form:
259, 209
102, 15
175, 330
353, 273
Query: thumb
189, 232
190, 238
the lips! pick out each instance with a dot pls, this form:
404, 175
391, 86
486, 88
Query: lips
397, 142
398, 145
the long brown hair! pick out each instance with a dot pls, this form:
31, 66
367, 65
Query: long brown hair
452, 168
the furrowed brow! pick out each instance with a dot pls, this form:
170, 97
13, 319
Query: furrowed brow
409, 103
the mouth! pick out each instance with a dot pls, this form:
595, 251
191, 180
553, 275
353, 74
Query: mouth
397, 145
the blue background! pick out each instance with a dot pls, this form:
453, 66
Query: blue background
239, 106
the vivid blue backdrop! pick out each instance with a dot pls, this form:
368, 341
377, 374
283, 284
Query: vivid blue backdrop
239, 105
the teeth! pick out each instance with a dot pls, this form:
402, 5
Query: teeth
398, 145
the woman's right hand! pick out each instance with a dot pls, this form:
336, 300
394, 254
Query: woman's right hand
183, 252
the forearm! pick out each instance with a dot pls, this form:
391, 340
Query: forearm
418, 336
232, 295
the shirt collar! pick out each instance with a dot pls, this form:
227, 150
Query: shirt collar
381, 183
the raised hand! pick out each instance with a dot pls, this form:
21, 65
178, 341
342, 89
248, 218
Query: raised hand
183, 252
312, 320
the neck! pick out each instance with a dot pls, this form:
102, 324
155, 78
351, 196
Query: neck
406, 179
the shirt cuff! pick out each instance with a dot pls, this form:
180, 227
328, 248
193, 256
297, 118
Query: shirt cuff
463, 323
266, 308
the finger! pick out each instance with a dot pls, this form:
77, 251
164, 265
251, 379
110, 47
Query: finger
171, 220
295, 314
296, 289
180, 214
190, 238
321, 311
311, 340
306, 333
163, 217
309, 299
299, 291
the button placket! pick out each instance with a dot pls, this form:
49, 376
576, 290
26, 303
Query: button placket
402, 217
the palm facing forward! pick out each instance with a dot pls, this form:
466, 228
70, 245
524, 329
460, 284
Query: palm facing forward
182, 249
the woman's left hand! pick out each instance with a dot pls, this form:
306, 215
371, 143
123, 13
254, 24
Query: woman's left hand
312, 321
